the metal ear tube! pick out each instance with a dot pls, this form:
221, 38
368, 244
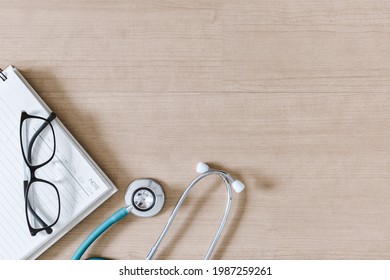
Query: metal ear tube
205, 171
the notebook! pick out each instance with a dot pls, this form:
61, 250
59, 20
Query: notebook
82, 185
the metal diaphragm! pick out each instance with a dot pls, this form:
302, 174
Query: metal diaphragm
144, 197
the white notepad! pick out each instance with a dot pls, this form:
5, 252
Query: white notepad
81, 183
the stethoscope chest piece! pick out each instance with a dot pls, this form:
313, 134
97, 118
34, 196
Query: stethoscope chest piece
144, 197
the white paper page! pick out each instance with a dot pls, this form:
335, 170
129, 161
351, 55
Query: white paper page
78, 181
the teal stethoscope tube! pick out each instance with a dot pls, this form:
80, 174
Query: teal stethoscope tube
117, 216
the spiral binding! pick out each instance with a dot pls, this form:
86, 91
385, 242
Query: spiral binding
2, 76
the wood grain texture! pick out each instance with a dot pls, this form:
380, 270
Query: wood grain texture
291, 96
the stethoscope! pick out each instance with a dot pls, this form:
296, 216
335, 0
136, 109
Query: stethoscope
145, 198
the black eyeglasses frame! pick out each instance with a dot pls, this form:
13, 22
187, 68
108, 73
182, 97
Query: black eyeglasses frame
33, 168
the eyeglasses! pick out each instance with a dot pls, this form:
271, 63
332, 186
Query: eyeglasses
42, 199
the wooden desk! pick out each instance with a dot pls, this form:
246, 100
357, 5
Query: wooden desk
292, 97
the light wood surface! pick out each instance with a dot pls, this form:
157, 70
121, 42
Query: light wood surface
292, 97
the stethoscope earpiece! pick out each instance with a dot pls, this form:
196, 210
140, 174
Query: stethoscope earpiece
202, 167
237, 185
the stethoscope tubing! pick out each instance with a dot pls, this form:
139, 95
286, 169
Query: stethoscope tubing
114, 218
124, 211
